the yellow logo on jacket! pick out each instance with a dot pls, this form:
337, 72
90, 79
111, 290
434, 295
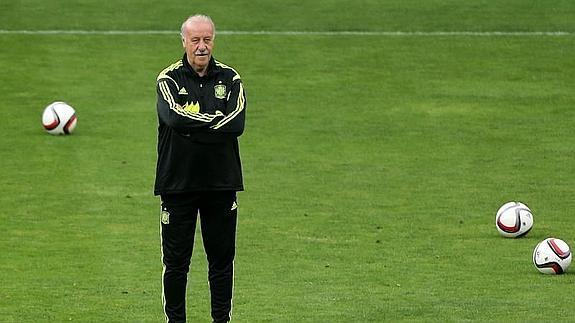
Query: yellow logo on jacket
192, 107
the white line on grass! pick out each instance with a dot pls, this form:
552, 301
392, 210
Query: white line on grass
294, 33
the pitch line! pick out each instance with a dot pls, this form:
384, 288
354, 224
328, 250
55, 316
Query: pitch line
295, 33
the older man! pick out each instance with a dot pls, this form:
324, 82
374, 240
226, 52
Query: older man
201, 112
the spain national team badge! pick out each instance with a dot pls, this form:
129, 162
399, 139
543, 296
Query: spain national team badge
220, 91
165, 217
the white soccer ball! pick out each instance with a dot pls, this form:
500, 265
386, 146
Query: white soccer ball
552, 256
513, 219
59, 118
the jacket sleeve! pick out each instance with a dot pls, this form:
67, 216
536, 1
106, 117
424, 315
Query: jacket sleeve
235, 112
181, 116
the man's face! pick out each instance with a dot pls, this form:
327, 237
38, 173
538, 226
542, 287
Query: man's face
198, 41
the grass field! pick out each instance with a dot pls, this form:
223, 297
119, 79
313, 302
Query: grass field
373, 164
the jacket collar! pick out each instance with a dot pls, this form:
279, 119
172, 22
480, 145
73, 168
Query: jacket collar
212, 68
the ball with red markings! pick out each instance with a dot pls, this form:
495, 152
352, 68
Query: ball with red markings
552, 256
59, 118
513, 219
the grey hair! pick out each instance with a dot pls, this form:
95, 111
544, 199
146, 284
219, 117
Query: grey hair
196, 18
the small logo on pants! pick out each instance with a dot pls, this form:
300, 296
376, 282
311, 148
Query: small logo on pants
165, 217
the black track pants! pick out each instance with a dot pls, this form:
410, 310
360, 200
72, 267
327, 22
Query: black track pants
218, 218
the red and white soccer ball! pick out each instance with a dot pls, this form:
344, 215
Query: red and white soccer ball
552, 256
59, 118
514, 219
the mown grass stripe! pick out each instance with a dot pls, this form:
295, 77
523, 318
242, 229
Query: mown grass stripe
295, 33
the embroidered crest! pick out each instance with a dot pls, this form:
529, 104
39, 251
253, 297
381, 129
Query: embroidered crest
220, 91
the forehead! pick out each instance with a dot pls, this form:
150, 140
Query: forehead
198, 29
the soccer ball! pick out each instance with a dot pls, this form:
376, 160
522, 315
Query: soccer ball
552, 256
59, 118
513, 219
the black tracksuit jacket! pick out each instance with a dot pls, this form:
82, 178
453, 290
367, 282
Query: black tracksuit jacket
200, 120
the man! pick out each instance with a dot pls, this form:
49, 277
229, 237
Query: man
201, 112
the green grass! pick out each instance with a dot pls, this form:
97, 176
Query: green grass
373, 165
370, 15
